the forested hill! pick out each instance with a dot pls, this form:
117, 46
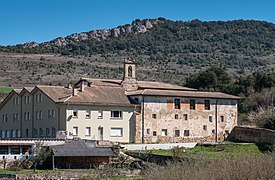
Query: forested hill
152, 36
235, 44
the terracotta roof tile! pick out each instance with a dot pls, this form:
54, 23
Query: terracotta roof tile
101, 95
56, 93
195, 94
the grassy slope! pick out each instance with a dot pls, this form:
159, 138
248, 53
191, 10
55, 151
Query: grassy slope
213, 151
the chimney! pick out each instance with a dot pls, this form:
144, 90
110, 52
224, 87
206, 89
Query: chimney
69, 86
74, 91
82, 86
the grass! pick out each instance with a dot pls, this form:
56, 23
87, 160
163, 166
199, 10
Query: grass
5, 89
215, 151
23, 171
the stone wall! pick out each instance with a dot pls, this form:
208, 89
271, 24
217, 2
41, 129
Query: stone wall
257, 135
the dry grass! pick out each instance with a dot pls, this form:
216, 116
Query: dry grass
248, 167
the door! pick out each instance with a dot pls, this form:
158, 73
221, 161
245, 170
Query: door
100, 133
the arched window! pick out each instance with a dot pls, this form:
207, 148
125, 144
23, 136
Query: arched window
130, 71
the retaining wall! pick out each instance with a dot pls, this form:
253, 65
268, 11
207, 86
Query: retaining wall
256, 135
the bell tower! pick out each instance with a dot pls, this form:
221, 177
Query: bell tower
129, 77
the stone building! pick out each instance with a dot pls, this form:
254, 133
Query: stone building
127, 111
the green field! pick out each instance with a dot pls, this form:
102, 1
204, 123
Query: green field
5, 89
215, 151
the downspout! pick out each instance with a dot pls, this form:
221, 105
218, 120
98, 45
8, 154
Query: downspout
33, 116
216, 121
21, 117
53, 162
142, 121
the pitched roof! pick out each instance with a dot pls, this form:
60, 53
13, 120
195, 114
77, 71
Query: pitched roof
175, 93
160, 85
56, 93
100, 95
81, 148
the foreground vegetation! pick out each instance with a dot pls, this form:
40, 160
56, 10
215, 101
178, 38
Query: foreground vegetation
248, 167
218, 151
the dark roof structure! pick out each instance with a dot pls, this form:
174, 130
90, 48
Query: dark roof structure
80, 148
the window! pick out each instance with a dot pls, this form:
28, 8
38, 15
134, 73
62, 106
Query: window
177, 133
206, 104
49, 114
116, 114
148, 131
27, 133
154, 133
15, 101
47, 132
130, 71
13, 133
205, 127
88, 131
186, 132
5, 117
41, 132
29, 116
39, 115
177, 103
222, 118
116, 132
213, 131
53, 113
88, 114
18, 133
38, 98
35, 132
164, 132
3, 134
27, 99
7, 133
53, 131
75, 113
75, 131
192, 104
15, 117
100, 114
210, 118
154, 116
176, 116
185, 117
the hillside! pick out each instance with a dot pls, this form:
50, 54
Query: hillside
165, 50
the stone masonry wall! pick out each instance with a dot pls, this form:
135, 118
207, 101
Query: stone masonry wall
256, 135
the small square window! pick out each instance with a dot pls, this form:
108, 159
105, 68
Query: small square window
177, 133
88, 131
206, 105
192, 104
222, 118
88, 114
205, 127
116, 114
154, 133
100, 114
75, 113
164, 132
186, 132
185, 117
154, 116
177, 103
213, 131
176, 116
210, 118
